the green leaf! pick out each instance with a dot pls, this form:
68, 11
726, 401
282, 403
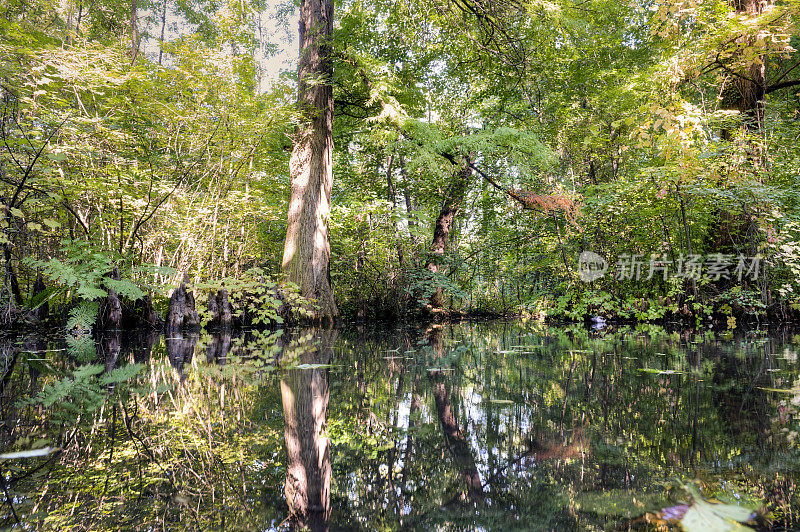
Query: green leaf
123, 374
90, 292
124, 288
83, 316
88, 370
703, 516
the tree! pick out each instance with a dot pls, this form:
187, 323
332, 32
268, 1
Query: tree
451, 205
306, 253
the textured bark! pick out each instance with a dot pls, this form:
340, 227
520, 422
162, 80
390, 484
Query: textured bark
306, 251
219, 307
213, 309
182, 313
305, 397
140, 314
110, 314
225, 310
11, 276
40, 313
409, 201
134, 30
750, 83
163, 27
451, 205
391, 192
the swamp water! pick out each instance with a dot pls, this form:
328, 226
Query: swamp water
473, 426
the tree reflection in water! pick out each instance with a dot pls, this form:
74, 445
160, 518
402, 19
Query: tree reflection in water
305, 395
454, 437
494, 426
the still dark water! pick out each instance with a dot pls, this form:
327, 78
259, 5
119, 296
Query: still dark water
475, 426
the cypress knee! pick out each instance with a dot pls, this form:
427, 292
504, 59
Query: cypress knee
225, 310
182, 312
110, 313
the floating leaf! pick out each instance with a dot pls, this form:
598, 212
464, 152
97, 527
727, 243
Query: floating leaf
703, 516
44, 451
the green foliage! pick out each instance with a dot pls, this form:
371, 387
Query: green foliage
256, 299
714, 517
82, 346
422, 284
81, 391
748, 302
84, 273
83, 316
619, 127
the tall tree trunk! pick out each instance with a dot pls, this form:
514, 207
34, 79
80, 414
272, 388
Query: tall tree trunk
163, 27
451, 205
306, 253
392, 197
305, 396
134, 30
409, 205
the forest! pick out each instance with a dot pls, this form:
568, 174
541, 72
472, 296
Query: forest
399, 265
476, 151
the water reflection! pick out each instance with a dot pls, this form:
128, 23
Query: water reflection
488, 425
455, 439
305, 396
180, 349
218, 348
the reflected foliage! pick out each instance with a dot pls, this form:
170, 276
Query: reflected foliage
495, 425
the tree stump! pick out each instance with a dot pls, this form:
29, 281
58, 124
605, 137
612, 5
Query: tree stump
225, 309
213, 309
182, 313
219, 306
109, 315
